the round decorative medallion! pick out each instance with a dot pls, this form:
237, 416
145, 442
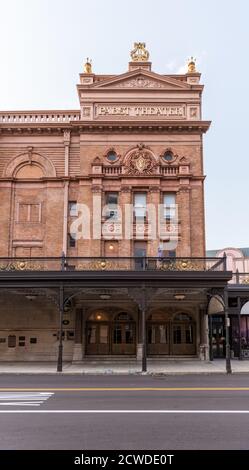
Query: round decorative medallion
140, 162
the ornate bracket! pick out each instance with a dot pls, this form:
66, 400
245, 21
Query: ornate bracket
143, 296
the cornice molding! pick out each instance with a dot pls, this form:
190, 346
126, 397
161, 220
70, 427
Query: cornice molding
87, 127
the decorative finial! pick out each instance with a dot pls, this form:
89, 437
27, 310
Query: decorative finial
139, 53
88, 66
191, 65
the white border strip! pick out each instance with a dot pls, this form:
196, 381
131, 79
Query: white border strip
131, 411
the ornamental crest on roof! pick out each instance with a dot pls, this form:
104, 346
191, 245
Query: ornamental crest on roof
139, 53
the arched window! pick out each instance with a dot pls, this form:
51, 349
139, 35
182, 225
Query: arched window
29, 171
123, 316
182, 317
99, 316
28, 165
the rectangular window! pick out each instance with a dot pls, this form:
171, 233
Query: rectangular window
2, 340
29, 213
72, 240
140, 206
111, 201
169, 203
72, 207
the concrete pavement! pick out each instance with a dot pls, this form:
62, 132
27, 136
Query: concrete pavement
167, 367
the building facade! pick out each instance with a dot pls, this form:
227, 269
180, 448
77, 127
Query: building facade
113, 190
238, 264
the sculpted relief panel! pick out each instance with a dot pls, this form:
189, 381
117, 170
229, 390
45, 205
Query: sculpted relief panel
140, 162
139, 82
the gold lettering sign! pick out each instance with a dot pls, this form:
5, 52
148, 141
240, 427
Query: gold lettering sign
177, 111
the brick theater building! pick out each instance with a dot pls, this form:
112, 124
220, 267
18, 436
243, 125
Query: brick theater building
90, 268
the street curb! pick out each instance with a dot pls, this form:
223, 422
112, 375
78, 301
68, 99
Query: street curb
98, 373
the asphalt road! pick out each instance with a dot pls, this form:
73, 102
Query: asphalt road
124, 412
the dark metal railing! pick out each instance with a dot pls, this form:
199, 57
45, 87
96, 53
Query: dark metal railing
65, 263
240, 278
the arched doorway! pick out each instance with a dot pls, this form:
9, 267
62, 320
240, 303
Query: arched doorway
110, 334
98, 334
158, 336
183, 335
123, 334
171, 335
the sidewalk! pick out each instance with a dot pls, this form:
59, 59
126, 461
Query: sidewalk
171, 367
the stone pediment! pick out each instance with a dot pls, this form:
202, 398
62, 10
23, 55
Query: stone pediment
142, 80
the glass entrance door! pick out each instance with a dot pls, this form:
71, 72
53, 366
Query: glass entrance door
123, 338
183, 338
218, 336
175, 337
140, 254
97, 338
111, 337
158, 338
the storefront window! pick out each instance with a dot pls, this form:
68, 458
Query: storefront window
244, 331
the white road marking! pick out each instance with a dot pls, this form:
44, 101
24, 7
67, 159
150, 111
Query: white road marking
23, 398
132, 411
17, 403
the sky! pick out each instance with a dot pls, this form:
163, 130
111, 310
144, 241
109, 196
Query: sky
44, 44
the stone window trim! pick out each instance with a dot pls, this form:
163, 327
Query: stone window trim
117, 159
29, 213
168, 150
